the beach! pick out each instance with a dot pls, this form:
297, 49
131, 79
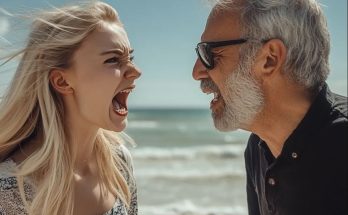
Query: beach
183, 166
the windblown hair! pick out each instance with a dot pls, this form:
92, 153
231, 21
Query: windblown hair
302, 27
31, 109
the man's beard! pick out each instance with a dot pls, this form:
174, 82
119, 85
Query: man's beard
242, 96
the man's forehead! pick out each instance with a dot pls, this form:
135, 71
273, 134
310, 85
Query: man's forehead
222, 25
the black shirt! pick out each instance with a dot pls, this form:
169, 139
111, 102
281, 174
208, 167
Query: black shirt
310, 175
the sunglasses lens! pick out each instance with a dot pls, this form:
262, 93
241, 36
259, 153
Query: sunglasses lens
203, 55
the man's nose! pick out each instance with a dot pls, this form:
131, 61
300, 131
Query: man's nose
199, 71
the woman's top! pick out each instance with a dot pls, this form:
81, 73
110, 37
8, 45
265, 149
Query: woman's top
12, 204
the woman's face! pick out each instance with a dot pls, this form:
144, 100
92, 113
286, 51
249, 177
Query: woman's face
102, 76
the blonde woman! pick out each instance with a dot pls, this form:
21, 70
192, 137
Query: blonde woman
58, 148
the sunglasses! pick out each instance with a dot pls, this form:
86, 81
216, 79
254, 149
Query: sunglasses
204, 53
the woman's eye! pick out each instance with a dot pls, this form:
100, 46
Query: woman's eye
112, 60
131, 58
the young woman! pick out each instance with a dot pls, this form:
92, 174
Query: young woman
59, 150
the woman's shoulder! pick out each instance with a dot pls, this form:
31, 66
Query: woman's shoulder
7, 180
126, 167
125, 155
129, 176
11, 202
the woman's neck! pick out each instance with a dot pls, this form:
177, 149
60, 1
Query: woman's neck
82, 138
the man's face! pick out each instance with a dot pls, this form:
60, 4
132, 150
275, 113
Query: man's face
237, 95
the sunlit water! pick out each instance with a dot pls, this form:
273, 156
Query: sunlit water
184, 166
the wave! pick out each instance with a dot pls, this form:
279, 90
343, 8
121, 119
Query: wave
143, 124
193, 152
187, 207
191, 174
161, 125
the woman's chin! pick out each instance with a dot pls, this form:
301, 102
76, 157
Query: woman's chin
117, 122
119, 125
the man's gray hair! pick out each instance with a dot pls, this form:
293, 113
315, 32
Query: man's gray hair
300, 24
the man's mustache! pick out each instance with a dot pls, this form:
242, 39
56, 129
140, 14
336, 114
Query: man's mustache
209, 84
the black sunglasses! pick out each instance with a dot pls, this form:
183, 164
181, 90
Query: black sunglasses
204, 53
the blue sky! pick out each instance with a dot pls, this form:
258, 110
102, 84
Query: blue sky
164, 34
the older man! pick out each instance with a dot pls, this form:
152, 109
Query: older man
266, 62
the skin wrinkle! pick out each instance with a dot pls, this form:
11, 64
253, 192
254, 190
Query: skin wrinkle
297, 114
243, 99
252, 98
68, 89
94, 81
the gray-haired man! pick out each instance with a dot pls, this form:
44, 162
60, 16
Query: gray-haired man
266, 62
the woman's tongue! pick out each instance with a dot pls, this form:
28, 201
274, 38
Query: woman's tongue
118, 107
115, 104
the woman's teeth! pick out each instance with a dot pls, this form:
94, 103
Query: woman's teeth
126, 91
118, 108
122, 110
119, 102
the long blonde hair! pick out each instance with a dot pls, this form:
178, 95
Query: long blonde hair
31, 109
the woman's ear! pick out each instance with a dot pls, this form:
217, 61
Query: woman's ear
59, 82
271, 58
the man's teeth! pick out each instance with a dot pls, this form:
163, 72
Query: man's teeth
216, 95
207, 92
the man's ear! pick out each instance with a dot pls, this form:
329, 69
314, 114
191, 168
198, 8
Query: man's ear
59, 81
270, 58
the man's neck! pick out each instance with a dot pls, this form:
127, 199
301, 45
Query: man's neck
281, 115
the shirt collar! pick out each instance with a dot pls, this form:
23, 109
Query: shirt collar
318, 112
313, 121
309, 126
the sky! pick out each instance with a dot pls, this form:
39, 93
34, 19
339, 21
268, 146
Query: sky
164, 34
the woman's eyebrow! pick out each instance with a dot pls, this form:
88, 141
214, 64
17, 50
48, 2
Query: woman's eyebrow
116, 51
112, 51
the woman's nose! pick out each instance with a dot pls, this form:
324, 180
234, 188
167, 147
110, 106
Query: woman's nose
132, 73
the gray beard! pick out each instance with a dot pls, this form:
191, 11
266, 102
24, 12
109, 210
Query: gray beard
243, 96
243, 101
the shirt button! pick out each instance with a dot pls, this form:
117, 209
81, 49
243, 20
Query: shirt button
271, 181
294, 155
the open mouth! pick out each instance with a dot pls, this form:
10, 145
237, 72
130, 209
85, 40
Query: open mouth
214, 104
119, 102
217, 97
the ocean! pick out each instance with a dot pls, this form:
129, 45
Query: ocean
184, 166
